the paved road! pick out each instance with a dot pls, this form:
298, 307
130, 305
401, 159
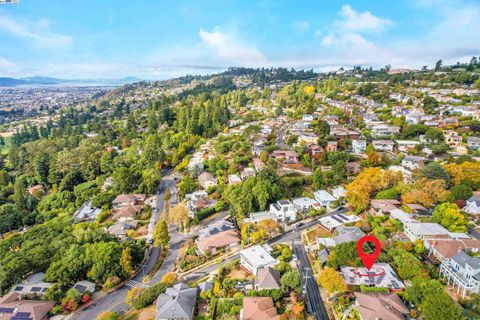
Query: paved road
474, 233
315, 304
280, 141
115, 300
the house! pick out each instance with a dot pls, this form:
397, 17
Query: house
381, 275
14, 307
214, 228
267, 278
418, 209
207, 180
425, 231
324, 198
233, 179
177, 302
124, 200
126, 213
472, 205
85, 287
376, 306
402, 216
384, 130
196, 162
406, 145
359, 146
406, 174
107, 183
36, 190
353, 168
284, 210
304, 204
120, 229
258, 308
383, 145
34, 284
344, 234
223, 240
413, 162
258, 164
380, 207
86, 213
288, 157
473, 143
335, 220
246, 173
331, 146
443, 249
462, 271
197, 201
338, 192
452, 138
307, 137
256, 257
256, 217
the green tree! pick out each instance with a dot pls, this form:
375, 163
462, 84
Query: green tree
434, 171
438, 65
126, 261
42, 167
291, 280
449, 216
161, 236
461, 191
10, 218
317, 178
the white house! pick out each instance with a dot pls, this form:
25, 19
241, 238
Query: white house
233, 179
359, 146
338, 192
324, 198
424, 231
257, 257
462, 271
336, 220
305, 203
413, 162
383, 145
384, 130
207, 180
284, 210
406, 145
473, 205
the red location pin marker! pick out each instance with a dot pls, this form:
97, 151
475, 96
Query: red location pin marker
368, 259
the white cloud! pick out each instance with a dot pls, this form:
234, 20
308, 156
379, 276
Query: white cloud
361, 21
301, 26
227, 46
38, 32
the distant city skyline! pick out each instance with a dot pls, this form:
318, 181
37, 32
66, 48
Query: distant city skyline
164, 39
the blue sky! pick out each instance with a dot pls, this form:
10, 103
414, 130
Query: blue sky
155, 39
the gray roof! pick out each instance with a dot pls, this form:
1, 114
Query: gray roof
347, 234
462, 259
323, 255
475, 199
177, 302
268, 278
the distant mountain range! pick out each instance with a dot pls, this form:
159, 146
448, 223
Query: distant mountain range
46, 81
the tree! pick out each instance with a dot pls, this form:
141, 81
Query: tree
42, 167
332, 281
132, 296
126, 261
169, 278
291, 280
179, 215
449, 216
441, 307
317, 178
434, 171
10, 218
344, 254
426, 192
109, 315
461, 191
438, 65
161, 236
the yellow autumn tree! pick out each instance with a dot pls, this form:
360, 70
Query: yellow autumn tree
426, 192
332, 281
467, 172
370, 180
309, 90
169, 278
179, 216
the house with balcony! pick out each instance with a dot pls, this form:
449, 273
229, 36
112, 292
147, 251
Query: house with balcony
462, 271
413, 162
406, 145
288, 157
383, 145
324, 198
384, 130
